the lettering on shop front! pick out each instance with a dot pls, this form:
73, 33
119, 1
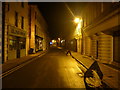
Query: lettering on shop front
17, 32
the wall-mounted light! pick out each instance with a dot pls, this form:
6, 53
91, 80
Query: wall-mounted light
76, 20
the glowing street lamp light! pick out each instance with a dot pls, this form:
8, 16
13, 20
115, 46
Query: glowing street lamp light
59, 39
53, 41
77, 20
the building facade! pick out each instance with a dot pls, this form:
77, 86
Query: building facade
16, 30
1, 32
39, 39
24, 28
101, 34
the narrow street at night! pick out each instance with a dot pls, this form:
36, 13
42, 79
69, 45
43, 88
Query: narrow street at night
53, 70
60, 44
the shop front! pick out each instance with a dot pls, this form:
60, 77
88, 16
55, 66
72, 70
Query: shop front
38, 43
73, 45
16, 43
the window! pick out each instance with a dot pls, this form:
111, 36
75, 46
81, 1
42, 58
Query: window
22, 22
16, 19
12, 44
35, 30
22, 44
101, 6
22, 4
8, 7
35, 15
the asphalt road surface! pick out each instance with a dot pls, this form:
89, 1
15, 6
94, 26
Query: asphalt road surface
53, 70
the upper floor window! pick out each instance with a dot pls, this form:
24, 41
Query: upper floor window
35, 15
22, 4
16, 19
102, 7
35, 29
22, 22
8, 8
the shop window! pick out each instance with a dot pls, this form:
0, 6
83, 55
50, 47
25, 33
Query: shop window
22, 44
12, 44
38, 43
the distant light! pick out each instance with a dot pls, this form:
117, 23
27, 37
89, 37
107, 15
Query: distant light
71, 42
62, 41
51, 43
59, 39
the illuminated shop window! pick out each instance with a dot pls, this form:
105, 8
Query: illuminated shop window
22, 44
12, 44
38, 43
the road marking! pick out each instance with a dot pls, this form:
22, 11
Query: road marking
19, 66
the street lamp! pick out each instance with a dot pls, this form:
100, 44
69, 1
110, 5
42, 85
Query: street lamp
76, 20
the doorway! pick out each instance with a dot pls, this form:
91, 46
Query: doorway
97, 49
18, 47
116, 47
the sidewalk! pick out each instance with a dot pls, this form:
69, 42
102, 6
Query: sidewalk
13, 63
110, 75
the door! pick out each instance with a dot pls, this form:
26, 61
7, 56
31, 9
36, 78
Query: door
18, 47
97, 49
116, 48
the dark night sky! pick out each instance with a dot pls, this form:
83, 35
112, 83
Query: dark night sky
59, 19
